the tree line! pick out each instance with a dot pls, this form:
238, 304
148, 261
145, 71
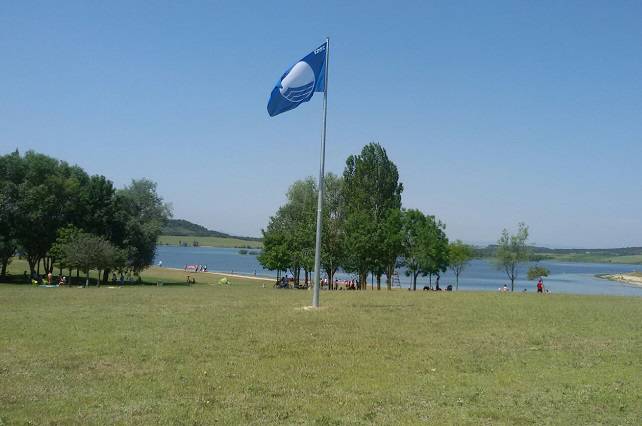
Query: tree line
365, 229
57, 216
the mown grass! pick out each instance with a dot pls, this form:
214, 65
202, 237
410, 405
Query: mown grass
244, 354
209, 241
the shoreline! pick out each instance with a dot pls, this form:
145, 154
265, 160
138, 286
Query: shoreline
632, 278
249, 277
209, 246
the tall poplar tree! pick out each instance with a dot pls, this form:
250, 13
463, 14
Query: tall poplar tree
372, 192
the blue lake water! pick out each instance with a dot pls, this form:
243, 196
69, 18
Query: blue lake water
571, 277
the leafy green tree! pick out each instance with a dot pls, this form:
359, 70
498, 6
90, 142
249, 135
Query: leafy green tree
139, 217
289, 236
436, 248
425, 245
535, 272
97, 207
275, 255
459, 254
414, 231
391, 245
10, 177
86, 251
58, 250
512, 249
332, 242
39, 196
108, 257
358, 245
47, 200
372, 192
300, 214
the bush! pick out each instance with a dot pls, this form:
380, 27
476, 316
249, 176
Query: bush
537, 271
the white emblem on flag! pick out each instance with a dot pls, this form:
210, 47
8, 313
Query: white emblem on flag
298, 85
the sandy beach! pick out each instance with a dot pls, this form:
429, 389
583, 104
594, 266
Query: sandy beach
249, 277
632, 278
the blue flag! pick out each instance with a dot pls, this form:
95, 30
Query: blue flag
299, 82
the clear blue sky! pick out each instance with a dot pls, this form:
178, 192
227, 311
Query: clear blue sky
494, 112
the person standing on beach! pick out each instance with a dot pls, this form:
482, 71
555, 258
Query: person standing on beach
540, 286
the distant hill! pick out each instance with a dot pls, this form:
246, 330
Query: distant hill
185, 228
630, 255
624, 251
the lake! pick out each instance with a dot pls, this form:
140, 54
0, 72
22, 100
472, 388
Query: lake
566, 277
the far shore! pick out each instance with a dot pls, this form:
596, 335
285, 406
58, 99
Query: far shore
631, 278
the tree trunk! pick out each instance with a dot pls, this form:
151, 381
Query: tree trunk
414, 280
48, 264
106, 273
378, 281
330, 273
5, 262
389, 273
456, 281
87, 279
362, 280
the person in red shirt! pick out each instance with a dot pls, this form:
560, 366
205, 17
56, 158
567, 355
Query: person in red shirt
540, 286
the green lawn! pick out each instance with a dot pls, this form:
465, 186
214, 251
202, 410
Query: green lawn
209, 241
244, 354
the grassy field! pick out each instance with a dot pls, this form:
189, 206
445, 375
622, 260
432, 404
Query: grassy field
244, 354
209, 241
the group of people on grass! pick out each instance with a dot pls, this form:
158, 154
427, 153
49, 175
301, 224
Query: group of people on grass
540, 287
195, 268
48, 279
61, 280
449, 287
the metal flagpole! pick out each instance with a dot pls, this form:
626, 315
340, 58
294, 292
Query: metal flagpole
317, 252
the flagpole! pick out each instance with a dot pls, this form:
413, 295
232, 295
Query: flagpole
317, 252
